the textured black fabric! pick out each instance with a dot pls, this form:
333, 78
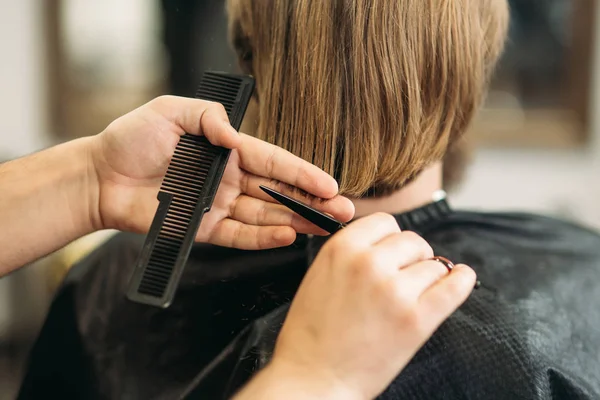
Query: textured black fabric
531, 332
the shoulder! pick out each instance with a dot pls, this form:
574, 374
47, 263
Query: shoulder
520, 254
521, 229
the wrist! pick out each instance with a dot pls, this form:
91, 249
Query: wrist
85, 186
90, 148
282, 379
76, 178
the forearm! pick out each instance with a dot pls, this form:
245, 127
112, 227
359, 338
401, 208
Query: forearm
45, 202
280, 381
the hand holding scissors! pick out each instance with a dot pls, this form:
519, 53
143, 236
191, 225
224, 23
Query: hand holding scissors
372, 297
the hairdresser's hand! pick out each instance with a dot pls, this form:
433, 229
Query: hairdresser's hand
370, 300
132, 155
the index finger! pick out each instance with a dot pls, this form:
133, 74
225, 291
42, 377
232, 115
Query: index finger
267, 160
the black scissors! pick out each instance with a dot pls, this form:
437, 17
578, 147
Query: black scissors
318, 218
326, 222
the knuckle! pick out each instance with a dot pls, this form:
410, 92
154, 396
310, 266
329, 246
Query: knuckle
421, 244
359, 265
333, 243
161, 101
409, 318
385, 219
390, 222
217, 107
366, 260
271, 162
210, 104
334, 246
389, 288
236, 236
245, 182
435, 269
412, 237
341, 246
427, 250
402, 298
233, 209
303, 175
262, 241
262, 214
334, 253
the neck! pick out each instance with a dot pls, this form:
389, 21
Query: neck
417, 194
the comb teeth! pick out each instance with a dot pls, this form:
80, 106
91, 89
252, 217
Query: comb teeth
185, 178
189, 167
187, 192
221, 88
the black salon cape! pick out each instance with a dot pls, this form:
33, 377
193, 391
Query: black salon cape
531, 332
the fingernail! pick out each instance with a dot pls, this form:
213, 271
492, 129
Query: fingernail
283, 236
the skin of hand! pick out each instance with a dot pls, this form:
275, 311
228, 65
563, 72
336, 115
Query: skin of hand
368, 303
132, 155
111, 181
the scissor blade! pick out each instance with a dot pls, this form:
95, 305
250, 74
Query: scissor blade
318, 218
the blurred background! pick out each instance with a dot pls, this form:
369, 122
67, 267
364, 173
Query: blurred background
69, 67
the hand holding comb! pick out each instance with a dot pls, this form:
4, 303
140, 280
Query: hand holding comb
187, 193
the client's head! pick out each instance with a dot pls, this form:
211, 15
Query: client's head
372, 91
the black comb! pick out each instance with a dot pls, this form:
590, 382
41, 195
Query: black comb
187, 193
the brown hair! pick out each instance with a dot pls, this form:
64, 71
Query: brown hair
372, 91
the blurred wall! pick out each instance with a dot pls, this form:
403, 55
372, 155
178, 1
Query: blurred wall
562, 183
23, 129
22, 103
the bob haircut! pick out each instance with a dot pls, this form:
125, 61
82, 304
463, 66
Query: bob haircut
371, 91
